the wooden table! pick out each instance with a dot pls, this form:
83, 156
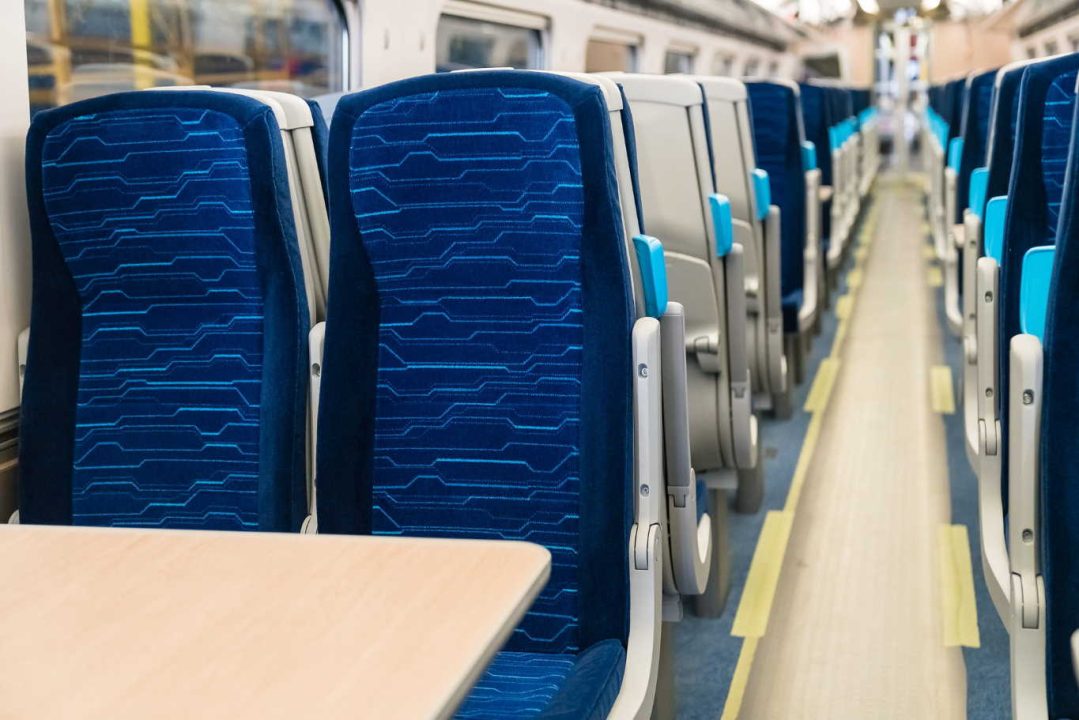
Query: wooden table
175, 624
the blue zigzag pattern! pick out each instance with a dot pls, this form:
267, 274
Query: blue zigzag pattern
470, 206
152, 212
1056, 136
517, 685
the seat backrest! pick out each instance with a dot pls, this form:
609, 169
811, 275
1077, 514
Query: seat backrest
975, 132
166, 380
1046, 100
1004, 117
815, 121
777, 132
956, 101
731, 139
477, 377
676, 182
1059, 452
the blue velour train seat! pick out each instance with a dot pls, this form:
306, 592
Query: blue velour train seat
1042, 209
478, 377
1043, 131
166, 377
975, 133
777, 136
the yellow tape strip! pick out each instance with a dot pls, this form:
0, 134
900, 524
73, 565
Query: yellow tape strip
940, 390
739, 680
843, 307
958, 605
751, 620
928, 252
854, 279
934, 276
822, 385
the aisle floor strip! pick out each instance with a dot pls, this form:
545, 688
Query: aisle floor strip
751, 620
940, 387
754, 608
959, 608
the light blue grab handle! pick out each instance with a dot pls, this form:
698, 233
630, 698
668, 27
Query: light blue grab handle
955, 153
809, 156
653, 267
1034, 289
979, 179
722, 223
762, 188
996, 210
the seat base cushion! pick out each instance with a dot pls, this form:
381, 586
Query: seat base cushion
549, 686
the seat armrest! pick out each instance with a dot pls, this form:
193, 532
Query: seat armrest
777, 380
23, 345
987, 293
741, 387
638, 691
1075, 654
315, 341
690, 537
813, 268
1027, 622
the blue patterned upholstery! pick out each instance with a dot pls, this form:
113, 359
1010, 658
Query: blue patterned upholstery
480, 316
976, 114
1046, 101
166, 377
955, 100
1002, 126
517, 685
551, 687
777, 136
1045, 146
815, 117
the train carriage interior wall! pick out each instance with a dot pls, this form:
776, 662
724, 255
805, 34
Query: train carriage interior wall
549, 359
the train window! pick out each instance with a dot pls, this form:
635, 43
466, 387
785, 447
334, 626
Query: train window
82, 48
607, 56
773, 69
1051, 47
753, 66
465, 43
723, 64
1031, 53
678, 61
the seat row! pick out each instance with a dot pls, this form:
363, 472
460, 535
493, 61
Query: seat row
549, 310
1010, 176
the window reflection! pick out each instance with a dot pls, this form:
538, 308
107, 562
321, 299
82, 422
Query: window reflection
465, 43
82, 48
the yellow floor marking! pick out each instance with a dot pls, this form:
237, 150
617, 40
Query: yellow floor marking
928, 252
940, 389
740, 679
822, 385
854, 279
843, 307
751, 620
934, 276
809, 446
861, 252
960, 610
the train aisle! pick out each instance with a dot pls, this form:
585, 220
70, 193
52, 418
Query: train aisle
856, 627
